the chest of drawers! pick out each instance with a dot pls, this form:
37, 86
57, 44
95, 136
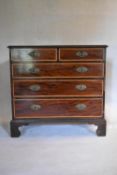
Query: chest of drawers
54, 84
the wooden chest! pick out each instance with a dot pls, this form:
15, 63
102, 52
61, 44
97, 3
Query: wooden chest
54, 84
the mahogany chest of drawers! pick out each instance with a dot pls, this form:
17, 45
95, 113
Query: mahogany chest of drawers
54, 84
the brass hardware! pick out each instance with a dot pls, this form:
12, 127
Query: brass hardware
81, 87
81, 106
81, 53
35, 53
35, 87
35, 107
34, 70
82, 69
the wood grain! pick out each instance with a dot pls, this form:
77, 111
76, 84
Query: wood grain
69, 54
56, 88
47, 86
57, 70
53, 108
33, 54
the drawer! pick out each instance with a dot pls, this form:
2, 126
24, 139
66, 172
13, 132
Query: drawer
81, 54
57, 88
33, 54
58, 70
53, 108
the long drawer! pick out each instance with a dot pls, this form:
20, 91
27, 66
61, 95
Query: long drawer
53, 108
81, 54
58, 88
33, 54
58, 70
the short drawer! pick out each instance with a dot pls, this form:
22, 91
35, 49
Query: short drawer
57, 88
33, 54
53, 108
58, 70
81, 54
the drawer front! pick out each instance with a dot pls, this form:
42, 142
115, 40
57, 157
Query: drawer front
81, 54
53, 108
33, 54
56, 88
58, 70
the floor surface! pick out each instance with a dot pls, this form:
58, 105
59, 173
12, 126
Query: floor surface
58, 150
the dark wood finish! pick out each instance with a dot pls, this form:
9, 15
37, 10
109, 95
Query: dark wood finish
57, 88
58, 108
14, 127
70, 54
57, 70
101, 130
45, 85
56, 46
33, 54
15, 132
16, 123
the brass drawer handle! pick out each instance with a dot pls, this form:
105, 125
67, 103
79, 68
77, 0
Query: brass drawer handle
35, 107
81, 107
81, 54
34, 70
82, 69
35, 53
81, 87
34, 87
